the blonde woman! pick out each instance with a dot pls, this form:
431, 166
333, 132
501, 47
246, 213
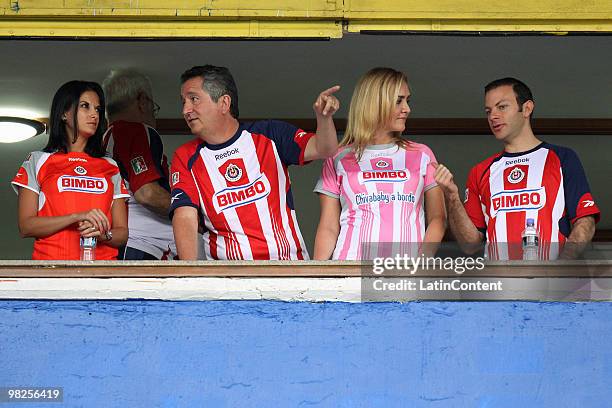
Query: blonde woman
378, 187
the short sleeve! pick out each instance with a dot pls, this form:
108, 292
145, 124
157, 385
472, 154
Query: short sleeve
184, 191
119, 189
578, 199
329, 182
429, 161
472, 203
26, 176
133, 144
290, 140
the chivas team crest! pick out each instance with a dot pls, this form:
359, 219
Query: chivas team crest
233, 173
382, 164
80, 170
516, 175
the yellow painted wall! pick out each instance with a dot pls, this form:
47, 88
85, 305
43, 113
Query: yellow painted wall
293, 18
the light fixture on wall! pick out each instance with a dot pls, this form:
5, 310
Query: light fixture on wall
15, 129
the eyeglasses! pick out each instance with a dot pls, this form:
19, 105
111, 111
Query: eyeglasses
156, 108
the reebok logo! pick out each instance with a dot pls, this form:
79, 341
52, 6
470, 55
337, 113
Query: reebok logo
226, 154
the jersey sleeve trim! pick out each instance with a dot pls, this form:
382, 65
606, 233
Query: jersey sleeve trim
430, 186
116, 196
327, 193
302, 141
171, 212
595, 214
15, 184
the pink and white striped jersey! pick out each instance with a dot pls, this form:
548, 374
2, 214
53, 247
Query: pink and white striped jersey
546, 183
381, 198
242, 192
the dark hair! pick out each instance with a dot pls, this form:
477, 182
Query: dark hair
521, 91
67, 98
216, 81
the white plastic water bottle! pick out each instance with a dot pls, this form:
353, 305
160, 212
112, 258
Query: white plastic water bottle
530, 241
88, 249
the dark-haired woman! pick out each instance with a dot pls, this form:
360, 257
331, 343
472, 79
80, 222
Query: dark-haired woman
70, 189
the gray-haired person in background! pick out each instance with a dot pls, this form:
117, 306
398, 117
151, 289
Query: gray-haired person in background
138, 150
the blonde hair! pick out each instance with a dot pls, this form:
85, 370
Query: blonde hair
372, 105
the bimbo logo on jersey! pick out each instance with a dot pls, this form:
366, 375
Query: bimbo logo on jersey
82, 184
518, 200
233, 197
382, 176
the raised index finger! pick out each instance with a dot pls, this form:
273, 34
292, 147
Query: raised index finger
330, 91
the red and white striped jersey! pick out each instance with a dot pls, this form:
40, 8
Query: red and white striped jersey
139, 153
242, 191
68, 183
546, 183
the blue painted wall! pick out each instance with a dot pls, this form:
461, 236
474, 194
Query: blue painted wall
277, 354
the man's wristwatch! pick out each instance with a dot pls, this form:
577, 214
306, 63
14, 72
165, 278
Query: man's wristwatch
108, 235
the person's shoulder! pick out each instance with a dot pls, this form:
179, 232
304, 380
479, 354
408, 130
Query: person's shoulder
122, 126
269, 127
32, 158
123, 130
562, 152
188, 149
107, 158
419, 147
341, 153
343, 150
483, 165
492, 158
189, 146
38, 155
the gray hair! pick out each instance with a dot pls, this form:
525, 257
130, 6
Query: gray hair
122, 87
217, 81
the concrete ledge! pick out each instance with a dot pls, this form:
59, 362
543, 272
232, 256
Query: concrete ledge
74, 269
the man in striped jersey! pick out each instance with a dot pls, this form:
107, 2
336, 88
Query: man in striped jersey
232, 180
529, 179
139, 152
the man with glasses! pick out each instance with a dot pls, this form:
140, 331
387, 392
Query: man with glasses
138, 150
